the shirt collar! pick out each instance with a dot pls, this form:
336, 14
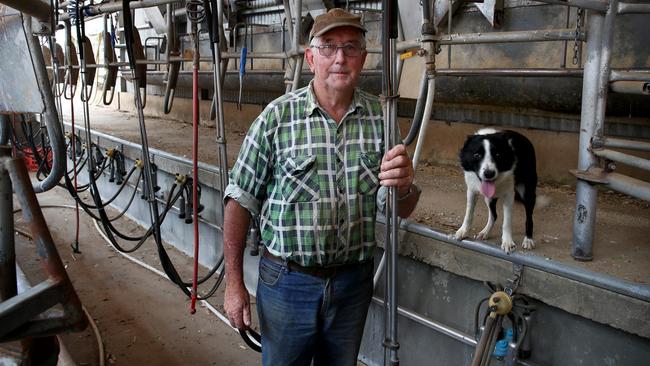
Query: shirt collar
312, 103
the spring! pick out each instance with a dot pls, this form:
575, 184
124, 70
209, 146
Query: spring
195, 11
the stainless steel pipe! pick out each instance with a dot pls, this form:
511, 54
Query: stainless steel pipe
620, 157
626, 144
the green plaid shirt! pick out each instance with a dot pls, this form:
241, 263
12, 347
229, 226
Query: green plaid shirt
314, 183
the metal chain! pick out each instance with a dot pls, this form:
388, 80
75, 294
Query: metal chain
577, 43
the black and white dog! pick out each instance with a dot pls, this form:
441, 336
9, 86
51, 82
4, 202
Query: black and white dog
499, 164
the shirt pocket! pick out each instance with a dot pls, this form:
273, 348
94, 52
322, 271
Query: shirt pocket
300, 182
368, 180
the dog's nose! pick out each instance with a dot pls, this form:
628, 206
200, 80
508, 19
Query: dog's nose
489, 174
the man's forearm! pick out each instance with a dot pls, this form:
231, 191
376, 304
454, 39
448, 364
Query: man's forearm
235, 229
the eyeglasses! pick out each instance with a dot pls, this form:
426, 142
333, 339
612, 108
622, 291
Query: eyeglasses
329, 49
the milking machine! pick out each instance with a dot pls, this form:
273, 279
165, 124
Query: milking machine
504, 335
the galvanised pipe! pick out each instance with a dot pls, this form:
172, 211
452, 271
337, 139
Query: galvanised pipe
630, 75
429, 323
585, 216
298, 58
621, 287
117, 6
630, 186
620, 157
625, 144
533, 72
596, 5
289, 17
8, 287
586, 193
52, 122
39, 9
633, 8
510, 37
631, 87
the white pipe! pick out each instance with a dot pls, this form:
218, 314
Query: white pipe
428, 108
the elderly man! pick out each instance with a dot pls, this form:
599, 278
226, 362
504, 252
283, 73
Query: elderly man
311, 167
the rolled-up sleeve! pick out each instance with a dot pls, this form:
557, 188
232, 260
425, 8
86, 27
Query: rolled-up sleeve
250, 175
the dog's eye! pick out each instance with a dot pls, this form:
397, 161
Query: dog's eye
477, 155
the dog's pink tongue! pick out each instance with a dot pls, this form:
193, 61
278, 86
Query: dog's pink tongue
488, 189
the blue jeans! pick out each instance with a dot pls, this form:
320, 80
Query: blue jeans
304, 317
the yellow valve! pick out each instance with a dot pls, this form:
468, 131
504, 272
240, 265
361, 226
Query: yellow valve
138, 164
181, 178
500, 304
110, 152
407, 54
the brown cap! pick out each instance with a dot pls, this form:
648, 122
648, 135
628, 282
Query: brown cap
334, 18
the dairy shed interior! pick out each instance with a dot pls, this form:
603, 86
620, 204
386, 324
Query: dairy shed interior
98, 149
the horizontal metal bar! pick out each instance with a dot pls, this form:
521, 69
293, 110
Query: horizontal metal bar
256, 55
633, 8
117, 6
616, 285
439, 327
25, 306
512, 37
586, 4
511, 72
39, 9
630, 87
630, 75
630, 186
620, 157
626, 144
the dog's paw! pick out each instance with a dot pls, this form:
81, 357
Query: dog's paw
528, 243
460, 234
508, 245
482, 235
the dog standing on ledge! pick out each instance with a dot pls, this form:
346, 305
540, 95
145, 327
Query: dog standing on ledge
499, 164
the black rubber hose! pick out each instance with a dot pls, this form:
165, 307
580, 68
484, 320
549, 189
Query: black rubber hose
5, 129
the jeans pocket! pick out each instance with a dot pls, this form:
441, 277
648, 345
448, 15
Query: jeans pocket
270, 272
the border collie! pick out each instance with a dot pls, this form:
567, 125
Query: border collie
499, 164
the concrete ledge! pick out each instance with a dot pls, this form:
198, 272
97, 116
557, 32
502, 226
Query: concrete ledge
600, 305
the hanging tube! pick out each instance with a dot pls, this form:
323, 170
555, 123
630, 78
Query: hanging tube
4, 129
172, 67
424, 124
51, 117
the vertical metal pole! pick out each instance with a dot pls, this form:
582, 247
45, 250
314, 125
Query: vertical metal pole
594, 100
8, 287
217, 24
297, 57
389, 62
288, 15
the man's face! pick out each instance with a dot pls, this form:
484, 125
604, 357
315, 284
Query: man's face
337, 72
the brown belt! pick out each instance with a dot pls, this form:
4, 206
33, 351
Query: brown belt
321, 272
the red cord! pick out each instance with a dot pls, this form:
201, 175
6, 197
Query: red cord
195, 179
